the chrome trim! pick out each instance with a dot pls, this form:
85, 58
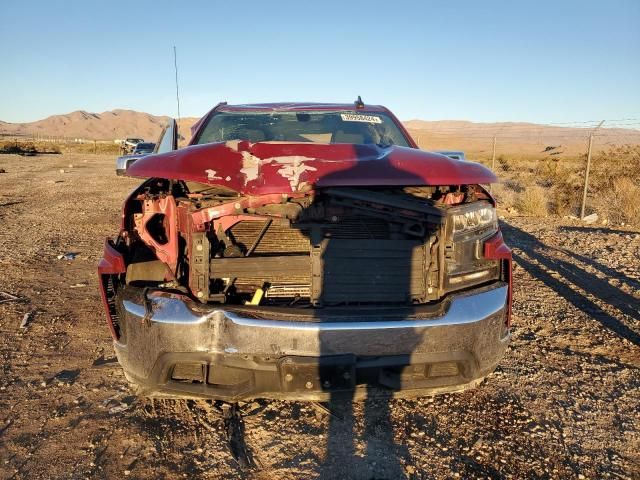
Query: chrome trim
125, 161
169, 308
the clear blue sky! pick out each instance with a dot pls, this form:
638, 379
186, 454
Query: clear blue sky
540, 61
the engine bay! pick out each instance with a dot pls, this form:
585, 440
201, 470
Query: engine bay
337, 246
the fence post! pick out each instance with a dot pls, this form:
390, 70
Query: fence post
586, 178
493, 159
493, 155
586, 173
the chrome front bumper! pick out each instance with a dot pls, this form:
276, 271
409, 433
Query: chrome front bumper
467, 335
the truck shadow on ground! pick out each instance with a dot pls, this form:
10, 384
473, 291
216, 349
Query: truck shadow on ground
576, 284
360, 438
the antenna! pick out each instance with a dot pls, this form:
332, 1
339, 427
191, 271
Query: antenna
175, 64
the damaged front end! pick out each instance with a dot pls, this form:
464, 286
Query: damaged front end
216, 290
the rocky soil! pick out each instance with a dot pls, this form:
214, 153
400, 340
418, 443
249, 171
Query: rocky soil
565, 402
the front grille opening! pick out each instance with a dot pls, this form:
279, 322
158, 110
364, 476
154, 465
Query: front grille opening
188, 373
346, 261
358, 228
214, 375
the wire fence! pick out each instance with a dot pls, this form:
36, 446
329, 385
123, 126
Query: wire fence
55, 139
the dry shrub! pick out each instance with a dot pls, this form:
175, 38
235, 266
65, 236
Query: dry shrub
618, 161
505, 195
565, 192
554, 184
551, 171
27, 148
564, 201
533, 201
614, 184
503, 163
622, 202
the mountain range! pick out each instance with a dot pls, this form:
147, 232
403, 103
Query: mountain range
443, 134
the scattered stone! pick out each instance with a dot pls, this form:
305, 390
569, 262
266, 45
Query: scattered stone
67, 376
67, 256
119, 409
61, 170
101, 361
27, 318
589, 219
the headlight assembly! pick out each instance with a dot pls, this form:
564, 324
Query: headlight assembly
480, 218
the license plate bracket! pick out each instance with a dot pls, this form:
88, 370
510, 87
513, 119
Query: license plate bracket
328, 374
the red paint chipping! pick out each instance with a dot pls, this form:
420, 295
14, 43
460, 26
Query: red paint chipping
273, 167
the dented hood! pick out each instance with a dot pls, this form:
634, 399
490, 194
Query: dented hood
276, 167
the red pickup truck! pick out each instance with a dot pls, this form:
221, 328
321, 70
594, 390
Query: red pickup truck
297, 250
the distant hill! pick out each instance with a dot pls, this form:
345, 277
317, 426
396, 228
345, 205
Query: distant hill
97, 126
474, 138
514, 137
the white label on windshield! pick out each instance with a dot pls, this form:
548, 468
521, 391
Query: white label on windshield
354, 117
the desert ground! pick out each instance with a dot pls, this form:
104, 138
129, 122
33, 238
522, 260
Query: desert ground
564, 403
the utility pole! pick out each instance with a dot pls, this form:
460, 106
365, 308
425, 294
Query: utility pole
586, 173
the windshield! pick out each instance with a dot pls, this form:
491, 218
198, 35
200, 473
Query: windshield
317, 127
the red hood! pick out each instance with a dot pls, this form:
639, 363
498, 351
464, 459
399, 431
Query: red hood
275, 167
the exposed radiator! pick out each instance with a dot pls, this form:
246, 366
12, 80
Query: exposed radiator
277, 238
353, 261
369, 271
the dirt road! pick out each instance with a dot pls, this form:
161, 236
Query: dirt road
565, 402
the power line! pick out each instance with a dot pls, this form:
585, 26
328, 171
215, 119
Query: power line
593, 121
519, 125
515, 128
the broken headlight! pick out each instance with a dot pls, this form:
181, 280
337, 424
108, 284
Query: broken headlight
481, 218
471, 225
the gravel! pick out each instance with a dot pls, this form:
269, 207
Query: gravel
564, 402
